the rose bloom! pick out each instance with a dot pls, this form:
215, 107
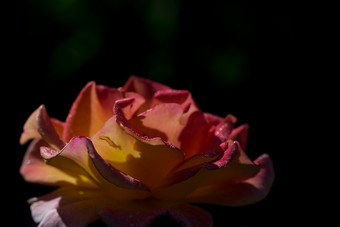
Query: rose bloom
133, 154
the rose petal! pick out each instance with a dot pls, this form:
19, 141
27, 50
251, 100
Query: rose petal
171, 96
39, 125
239, 193
145, 88
90, 110
225, 127
134, 213
111, 174
41, 205
195, 135
240, 134
212, 119
131, 110
234, 166
80, 150
35, 170
146, 159
59, 126
164, 120
66, 207
30, 130
181, 97
193, 165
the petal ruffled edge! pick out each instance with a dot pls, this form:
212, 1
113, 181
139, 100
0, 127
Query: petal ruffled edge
39, 125
244, 192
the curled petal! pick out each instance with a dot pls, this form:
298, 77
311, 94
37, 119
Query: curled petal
225, 127
193, 165
212, 119
134, 213
171, 96
181, 97
240, 134
81, 150
39, 125
111, 174
132, 110
90, 110
164, 120
144, 87
35, 170
30, 130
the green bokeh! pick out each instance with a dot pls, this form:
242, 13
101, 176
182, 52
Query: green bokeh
70, 55
159, 39
229, 67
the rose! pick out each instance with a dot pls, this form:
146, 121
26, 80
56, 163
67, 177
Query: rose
131, 154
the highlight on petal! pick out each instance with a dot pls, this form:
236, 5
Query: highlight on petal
35, 170
111, 174
146, 159
91, 109
80, 150
143, 213
66, 207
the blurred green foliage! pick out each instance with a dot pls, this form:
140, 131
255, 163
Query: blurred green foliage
153, 38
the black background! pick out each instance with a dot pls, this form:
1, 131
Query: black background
240, 58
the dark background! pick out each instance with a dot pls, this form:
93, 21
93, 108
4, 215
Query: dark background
236, 57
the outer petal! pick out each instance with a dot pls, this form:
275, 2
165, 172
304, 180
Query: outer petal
39, 125
239, 193
35, 170
81, 151
134, 213
90, 110
66, 207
